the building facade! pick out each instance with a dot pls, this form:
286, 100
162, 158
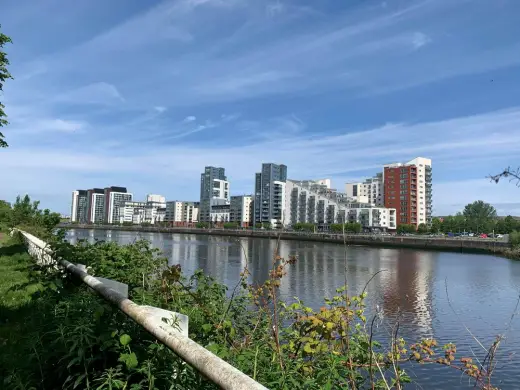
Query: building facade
370, 191
314, 202
181, 213
95, 205
270, 189
114, 198
213, 183
408, 189
78, 213
241, 210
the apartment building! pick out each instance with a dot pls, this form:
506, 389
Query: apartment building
181, 213
371, 218
311, 201
78, 213
214, 192
151, 212
95, 205
408, 189
241, 210
270, 189
308, 201
114, 198
370, 191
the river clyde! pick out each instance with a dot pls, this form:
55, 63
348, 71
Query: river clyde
411, 287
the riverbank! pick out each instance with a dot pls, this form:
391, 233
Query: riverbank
490, 246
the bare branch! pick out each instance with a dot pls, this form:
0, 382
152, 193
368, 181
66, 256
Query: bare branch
512, 174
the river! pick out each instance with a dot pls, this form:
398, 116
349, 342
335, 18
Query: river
483, 290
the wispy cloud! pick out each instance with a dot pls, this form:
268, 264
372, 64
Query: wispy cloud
340, 157
420, 39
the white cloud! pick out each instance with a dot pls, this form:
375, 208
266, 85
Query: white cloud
189, 119
160, 109
307, 156
420, 39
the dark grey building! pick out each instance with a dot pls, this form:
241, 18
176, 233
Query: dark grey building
206, 190
270, 193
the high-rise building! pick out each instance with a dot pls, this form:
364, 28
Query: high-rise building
370, 191
214, 194
241, 210
269, 199
78, 211
408, 189
114, 198
95, 205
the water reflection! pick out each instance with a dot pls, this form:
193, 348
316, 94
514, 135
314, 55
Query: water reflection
411, 286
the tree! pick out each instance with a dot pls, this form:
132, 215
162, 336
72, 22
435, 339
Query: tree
422, 228
4, 75
436, 225
480, 216
405, 228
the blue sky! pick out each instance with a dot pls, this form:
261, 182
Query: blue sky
144, 94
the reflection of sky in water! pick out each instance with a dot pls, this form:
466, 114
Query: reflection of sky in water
483, 289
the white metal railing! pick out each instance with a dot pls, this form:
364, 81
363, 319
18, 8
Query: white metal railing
150, 318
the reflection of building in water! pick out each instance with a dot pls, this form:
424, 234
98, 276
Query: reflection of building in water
184, 251
406, 286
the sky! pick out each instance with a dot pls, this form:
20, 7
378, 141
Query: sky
145, 94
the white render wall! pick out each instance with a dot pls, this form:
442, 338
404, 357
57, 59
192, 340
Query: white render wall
74, 208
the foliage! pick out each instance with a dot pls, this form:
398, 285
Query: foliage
514, 238
306, 227
406, 228
263, 225
436, 225
479, 213
25, 213
350, 227
231, 225
202, 225
4, 75
422, 228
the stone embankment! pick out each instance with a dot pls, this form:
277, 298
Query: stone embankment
465, 245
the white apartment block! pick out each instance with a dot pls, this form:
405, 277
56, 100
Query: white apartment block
142, 212
312, 202
181, 213
241, 210
114, 200
161, 200
372, 217
370, 191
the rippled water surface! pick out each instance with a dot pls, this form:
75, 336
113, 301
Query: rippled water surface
483, 290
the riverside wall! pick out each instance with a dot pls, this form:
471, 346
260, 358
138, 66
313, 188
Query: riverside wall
466, 245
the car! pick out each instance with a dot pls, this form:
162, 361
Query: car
471, 234
483, 235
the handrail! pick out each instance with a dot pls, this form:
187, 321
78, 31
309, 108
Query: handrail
205, 362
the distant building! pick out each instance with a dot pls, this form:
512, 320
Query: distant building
408, 189
95, 205
241, 210
181, 213
269, 201
114, 198
370, 191
78, 213
152, 211
309, 201
214, 191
